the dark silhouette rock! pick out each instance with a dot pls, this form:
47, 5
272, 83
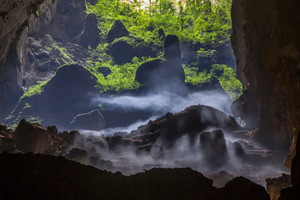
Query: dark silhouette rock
117, 30
90, 36
213, 146
241, 188
93, 120
104, 70
52, 175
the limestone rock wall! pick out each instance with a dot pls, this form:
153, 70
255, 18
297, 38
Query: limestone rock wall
267, 48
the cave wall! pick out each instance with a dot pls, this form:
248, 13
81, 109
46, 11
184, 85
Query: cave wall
14, 22
24, 25
266, 44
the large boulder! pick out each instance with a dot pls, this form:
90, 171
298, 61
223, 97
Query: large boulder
117, 30
90, 36
68, 93
213, 147
93, 120
30, 137
122, 52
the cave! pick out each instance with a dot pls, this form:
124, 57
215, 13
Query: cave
149, 99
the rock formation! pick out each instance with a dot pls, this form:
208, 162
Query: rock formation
90, 36
77, 181
117, 30
266, 44
166, 74
67, 94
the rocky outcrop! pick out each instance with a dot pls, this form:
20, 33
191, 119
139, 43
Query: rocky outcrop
267, 47
192, 121
29, 48
168, 74
58, 178
275, 185
93, 120
117, 30
292, 193
13, 25
91, 34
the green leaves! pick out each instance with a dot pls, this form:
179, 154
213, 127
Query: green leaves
190, 20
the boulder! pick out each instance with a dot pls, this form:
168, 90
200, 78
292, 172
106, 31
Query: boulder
213, 147
122, 52
90, 36
93, 120
30, 137
116, 31
68, 93
104, 70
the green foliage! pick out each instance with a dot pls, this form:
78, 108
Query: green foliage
122, 77
226, 76
67, 57
193, 77
191, 20
34, 89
